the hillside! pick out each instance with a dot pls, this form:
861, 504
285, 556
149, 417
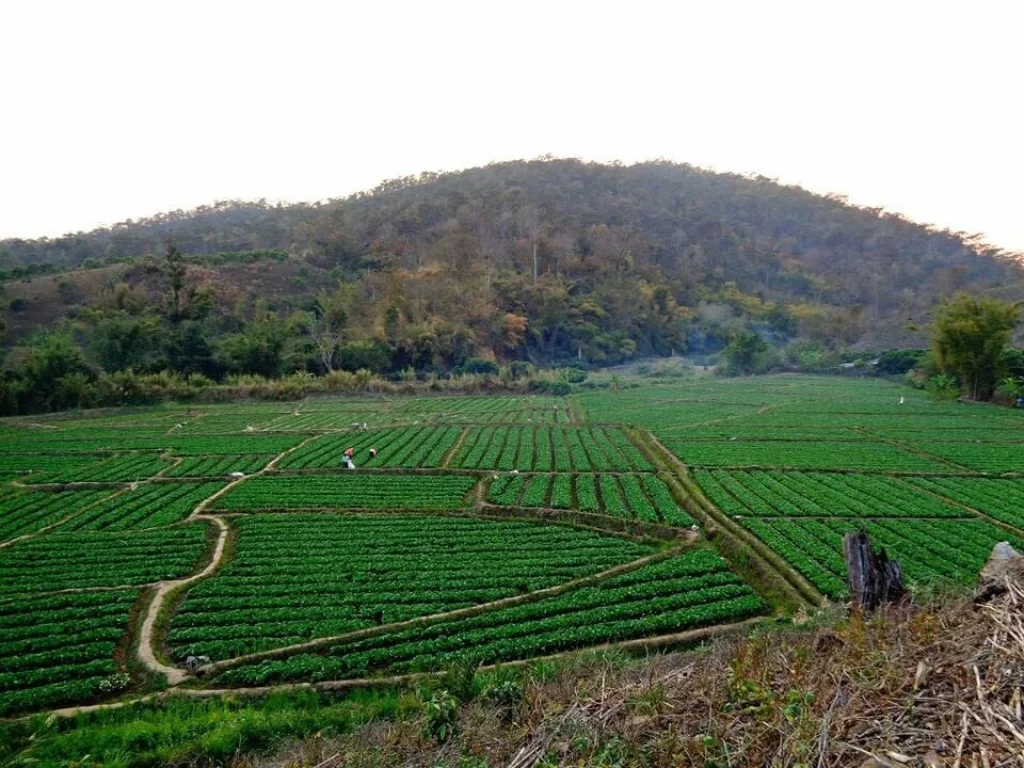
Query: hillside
544, 260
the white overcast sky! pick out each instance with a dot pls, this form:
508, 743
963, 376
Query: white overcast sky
112, 110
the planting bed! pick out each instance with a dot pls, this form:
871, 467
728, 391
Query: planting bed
349, 490
59, 649
638, 496
669, 596
296, 577
149, 506
545, 450
60, 561
22, 513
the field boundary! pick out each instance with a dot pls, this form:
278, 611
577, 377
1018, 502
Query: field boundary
716, 523
678, 640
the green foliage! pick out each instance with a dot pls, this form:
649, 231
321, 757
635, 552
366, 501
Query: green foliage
896, 362
442, 711
747, 353
969, 337
943, 387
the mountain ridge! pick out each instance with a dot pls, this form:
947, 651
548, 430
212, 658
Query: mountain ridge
643, 259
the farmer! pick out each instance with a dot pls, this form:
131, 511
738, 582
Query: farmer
373, 453
346, 459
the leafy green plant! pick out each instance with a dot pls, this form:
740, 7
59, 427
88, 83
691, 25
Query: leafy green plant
442, 713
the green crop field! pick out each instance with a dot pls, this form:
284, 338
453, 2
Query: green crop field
480, 529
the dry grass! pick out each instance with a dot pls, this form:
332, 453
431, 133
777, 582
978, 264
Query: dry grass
935, 684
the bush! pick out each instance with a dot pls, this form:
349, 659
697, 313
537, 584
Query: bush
479, 366
896, 362
442, 715
943, 387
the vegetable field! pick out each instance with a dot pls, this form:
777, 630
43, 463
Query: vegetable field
474, 530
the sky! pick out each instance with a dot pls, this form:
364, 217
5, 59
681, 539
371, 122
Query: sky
114, 110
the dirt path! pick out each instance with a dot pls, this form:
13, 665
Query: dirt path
797, 585
146, 655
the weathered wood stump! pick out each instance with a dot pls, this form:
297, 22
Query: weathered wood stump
872, 577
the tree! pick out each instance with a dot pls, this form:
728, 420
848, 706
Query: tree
745, 353
118, 340
969, 335
176, 278
258, 349
51, 376
328, 322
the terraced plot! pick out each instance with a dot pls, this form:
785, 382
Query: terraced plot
296, 577
218, 466
808, 494
59, 649
348, 491
16, 465
23, 513
989, 457
669, 596
545, 450
1001, 500
930, 551
120, 469
640, 497
149, 506
59, 561
397, 447
876, 457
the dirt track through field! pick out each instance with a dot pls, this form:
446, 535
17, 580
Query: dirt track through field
145, 653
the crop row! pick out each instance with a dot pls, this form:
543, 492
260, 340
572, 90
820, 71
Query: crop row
475, 405
669, 596
36, 464
999, 499
678, 409
543, 450
821, 415
396, 447
348, 490
180, 444
148, 506
296, 577
28, 512
74, 560
799, 494
800, 455
643, 497
319, 420
983, 457
928, 550
218, 466
56, 652
119, 469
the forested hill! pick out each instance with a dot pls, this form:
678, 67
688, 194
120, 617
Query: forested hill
540, 260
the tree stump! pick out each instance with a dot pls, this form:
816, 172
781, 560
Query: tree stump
872, 577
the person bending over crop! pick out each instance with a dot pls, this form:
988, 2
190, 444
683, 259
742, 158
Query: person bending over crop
346, 459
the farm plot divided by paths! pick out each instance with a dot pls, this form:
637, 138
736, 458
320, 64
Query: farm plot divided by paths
641, 497
298, 577
545, 450
482, 530
673, 595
